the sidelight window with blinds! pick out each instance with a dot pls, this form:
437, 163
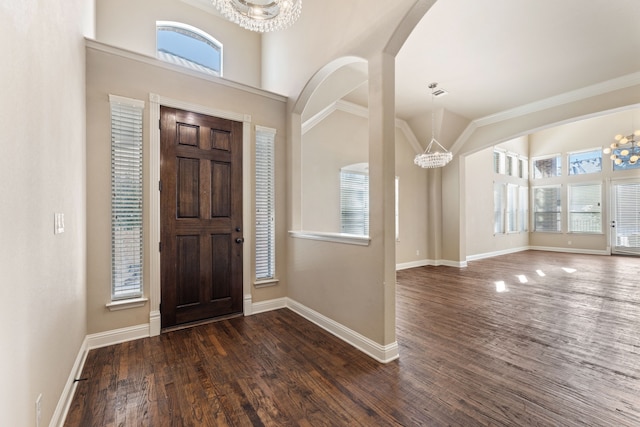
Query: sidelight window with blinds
265, 204
126, 198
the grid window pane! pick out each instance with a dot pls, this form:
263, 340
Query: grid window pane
547, 168
585, 162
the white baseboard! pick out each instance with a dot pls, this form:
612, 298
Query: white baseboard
117, 336
381, 353
497, 253
264, 306
64, 403
448, 263
414, 264
154, 323
247, 306
571, 250
431, 262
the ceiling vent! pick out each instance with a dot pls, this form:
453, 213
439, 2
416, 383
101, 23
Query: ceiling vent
439, 92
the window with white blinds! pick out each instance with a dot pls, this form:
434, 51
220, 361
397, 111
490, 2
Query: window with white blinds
265, 204
585, 208
512, 208
126, 197
354, 202
523, 209
547, 209
498, 207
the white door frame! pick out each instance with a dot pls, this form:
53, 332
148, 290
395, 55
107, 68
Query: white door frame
153, 239
612, 216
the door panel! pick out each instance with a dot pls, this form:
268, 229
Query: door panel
220, 190
188, 188
201, 217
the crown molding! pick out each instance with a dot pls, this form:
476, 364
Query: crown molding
150, 60
562, 99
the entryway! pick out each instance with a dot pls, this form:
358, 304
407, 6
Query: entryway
201, 217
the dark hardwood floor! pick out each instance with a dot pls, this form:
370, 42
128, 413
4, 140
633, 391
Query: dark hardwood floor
556, 344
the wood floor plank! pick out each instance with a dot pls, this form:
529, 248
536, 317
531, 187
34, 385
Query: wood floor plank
527, 339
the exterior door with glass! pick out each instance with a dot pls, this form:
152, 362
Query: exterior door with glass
625, 217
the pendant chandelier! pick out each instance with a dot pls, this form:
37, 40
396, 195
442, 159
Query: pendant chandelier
440, 156
260, 15
625, 149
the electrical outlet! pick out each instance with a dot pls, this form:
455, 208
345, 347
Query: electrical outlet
418, 252
569, 242
39, 410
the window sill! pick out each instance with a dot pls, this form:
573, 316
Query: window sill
349, 239
126, 304
265, 283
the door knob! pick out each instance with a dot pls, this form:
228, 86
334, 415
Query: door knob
240, 240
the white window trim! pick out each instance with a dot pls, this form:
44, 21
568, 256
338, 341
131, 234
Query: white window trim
349, 239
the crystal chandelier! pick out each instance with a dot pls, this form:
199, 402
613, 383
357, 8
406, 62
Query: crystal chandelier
260, 15
439, 157
625, 149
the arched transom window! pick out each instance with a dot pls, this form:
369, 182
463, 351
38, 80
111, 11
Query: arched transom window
188, 47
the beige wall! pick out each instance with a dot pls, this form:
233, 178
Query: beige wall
411, 246
341, 139
42, 172
479, 179
109, 73
132, 25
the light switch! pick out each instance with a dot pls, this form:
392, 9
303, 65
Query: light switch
58, 223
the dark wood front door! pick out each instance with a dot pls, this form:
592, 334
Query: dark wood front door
201, 216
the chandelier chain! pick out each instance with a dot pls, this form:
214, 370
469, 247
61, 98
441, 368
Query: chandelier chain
433, 159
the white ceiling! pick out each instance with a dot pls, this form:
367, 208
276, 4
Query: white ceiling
495, 55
